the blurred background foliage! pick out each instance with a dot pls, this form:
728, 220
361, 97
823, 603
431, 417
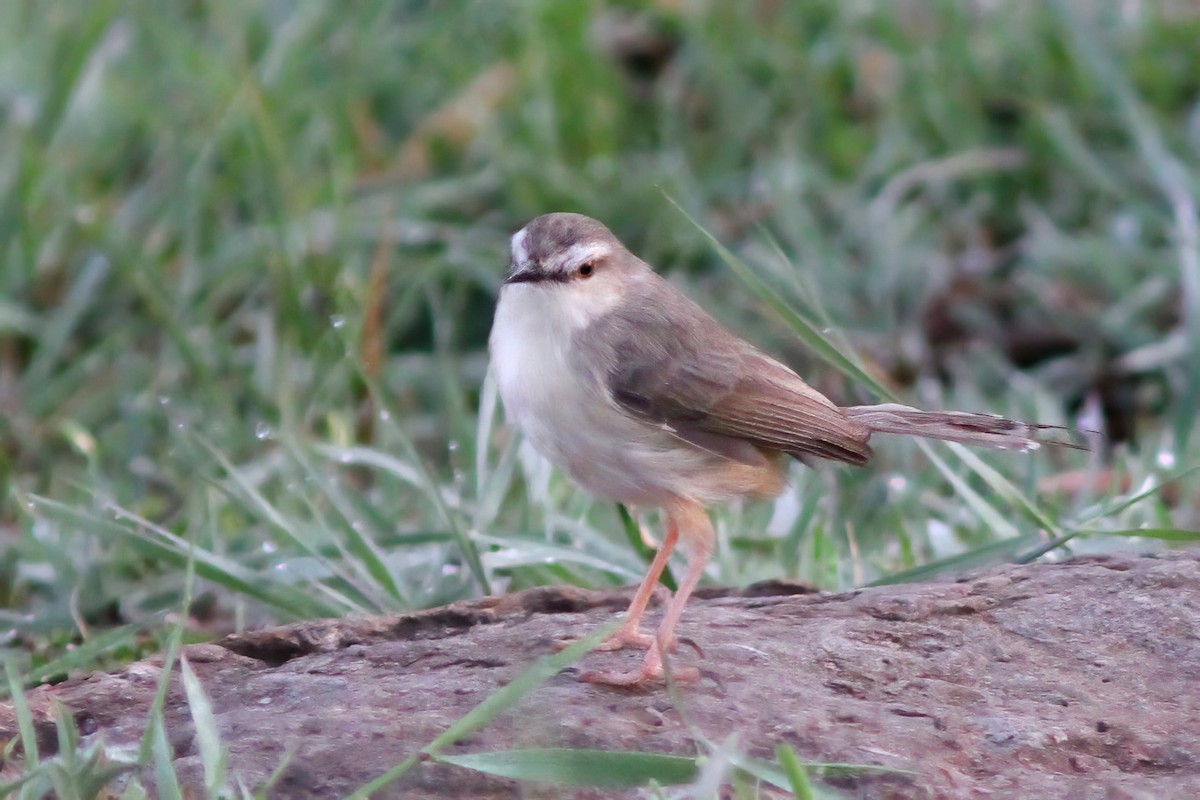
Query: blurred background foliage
250, 249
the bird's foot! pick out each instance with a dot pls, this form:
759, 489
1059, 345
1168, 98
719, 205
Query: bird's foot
651, 670
627, 638
624, 637
630, 634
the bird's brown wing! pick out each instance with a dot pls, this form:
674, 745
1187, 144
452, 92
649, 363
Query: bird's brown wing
685, 371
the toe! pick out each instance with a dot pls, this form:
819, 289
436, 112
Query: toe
611, 677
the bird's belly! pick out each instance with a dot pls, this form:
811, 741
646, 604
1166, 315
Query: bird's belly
570, 421
573, 423
566, 413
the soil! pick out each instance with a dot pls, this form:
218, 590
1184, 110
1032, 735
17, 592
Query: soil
1072, 680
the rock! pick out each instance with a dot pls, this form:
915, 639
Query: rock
1072, 680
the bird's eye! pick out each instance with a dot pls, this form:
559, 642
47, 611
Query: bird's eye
585, 270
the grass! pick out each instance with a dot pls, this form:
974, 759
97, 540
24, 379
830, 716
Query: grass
250, 251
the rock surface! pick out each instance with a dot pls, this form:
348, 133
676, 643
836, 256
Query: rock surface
1073, 680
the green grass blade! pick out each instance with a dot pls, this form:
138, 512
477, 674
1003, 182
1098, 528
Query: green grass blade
417, 474
514, 552
797, 776
166, 782
1175, 183
154, 747
258, 502
987, 513
54, 337
374, 578
605, 769
985, 555
1003, 487
803, 328
1129, 502
212, 754
68, 737
87, 652
495, 704
1047, 547
176, 550
1162, 534
16, 694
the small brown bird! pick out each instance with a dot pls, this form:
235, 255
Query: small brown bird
641, 397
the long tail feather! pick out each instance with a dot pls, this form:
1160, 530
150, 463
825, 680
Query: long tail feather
981, 430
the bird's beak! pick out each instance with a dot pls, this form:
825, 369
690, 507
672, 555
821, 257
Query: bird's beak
529, 272
519, 273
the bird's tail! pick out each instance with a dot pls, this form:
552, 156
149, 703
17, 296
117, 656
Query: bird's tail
980, 430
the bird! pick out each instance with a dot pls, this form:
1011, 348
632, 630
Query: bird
641, 397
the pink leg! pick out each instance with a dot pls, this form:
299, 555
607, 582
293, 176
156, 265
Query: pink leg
693, 521
630, 634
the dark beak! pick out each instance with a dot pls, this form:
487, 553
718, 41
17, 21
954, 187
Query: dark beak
524, 276
531, 273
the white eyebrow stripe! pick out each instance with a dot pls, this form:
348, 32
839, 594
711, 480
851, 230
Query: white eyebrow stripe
520, 252
579, 253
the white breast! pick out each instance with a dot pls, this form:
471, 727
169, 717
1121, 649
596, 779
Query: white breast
528, 346
565, 411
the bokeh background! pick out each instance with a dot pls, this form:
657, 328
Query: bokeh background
249, 251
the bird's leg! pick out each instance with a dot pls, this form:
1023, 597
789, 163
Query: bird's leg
691, 519
630, 633
643, 532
